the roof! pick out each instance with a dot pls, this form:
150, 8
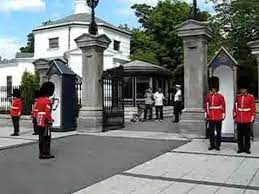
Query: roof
143, 68
24, 55
7, 61
222, 57
82, 18
60, 67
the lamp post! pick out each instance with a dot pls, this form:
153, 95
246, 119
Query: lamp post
93, 29
194, 10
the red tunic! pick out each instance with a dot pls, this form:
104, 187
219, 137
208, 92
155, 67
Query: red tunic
215, 108
16, 107
34, 110
44, 111
244, 108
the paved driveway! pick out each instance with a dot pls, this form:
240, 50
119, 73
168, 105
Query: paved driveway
81, 161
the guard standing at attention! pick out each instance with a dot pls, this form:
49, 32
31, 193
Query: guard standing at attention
244, 115
215, 113
34, 112
177, 103
44, 119
16, 110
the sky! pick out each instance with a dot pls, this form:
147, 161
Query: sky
19, 17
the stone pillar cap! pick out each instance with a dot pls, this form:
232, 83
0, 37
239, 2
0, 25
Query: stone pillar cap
194, 28
89, 40
254, 46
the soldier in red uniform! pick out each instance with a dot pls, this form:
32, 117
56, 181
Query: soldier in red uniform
16, 111
214, 113
44, 119
244, 115
34, 112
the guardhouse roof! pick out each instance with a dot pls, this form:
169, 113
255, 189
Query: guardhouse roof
59, 67
143, 68
222, 57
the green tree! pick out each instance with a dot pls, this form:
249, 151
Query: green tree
29, 48
30, 82
156, 40
237, 23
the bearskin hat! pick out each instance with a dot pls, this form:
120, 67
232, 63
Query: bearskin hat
243, 83
214, 83
16, 93
47, 89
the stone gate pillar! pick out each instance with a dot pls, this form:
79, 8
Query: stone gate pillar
195, 36
254, 46
42, 66
91, 113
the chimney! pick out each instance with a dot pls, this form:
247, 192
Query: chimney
81, 7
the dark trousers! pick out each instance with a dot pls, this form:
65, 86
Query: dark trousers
215, 141
148, 108
243, 136
177, 110
35, 127
44, 141
16, 125
159, 109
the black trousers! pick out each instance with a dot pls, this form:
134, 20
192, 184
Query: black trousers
215, 141
177, 110
148, 108
159, 109
243, 136
35, 127
16, 125
44, 141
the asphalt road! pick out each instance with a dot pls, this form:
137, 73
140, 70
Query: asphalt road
80, 161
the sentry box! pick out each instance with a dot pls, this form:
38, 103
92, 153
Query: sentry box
64, 99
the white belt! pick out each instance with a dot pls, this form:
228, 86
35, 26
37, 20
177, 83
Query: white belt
13, 107
244, 109
41, 113
216, 107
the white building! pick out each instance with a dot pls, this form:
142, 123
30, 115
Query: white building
56, 40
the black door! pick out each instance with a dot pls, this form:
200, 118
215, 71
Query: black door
113, 100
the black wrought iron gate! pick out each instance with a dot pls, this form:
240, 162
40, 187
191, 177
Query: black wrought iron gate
113, 100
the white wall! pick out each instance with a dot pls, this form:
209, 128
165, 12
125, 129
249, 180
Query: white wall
75, 59
15, 70
124, 43
42, 37
75, 63
42, 41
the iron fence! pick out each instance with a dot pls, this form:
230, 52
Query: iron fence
5, 96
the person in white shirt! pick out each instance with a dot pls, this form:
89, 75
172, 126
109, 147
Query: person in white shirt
159, 97
177, 103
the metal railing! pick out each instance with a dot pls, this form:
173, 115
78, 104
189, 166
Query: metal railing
5, 95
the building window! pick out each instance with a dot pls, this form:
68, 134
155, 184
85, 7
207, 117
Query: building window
53, 43
116, 45
9, 84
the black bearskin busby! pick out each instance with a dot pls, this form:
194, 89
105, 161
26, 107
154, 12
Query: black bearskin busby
214, 83
47, 89
16, 93
36, 93
243, 83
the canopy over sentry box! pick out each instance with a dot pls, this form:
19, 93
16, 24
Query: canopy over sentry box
64, 97
224, 66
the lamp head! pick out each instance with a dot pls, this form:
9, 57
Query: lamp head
92, 3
